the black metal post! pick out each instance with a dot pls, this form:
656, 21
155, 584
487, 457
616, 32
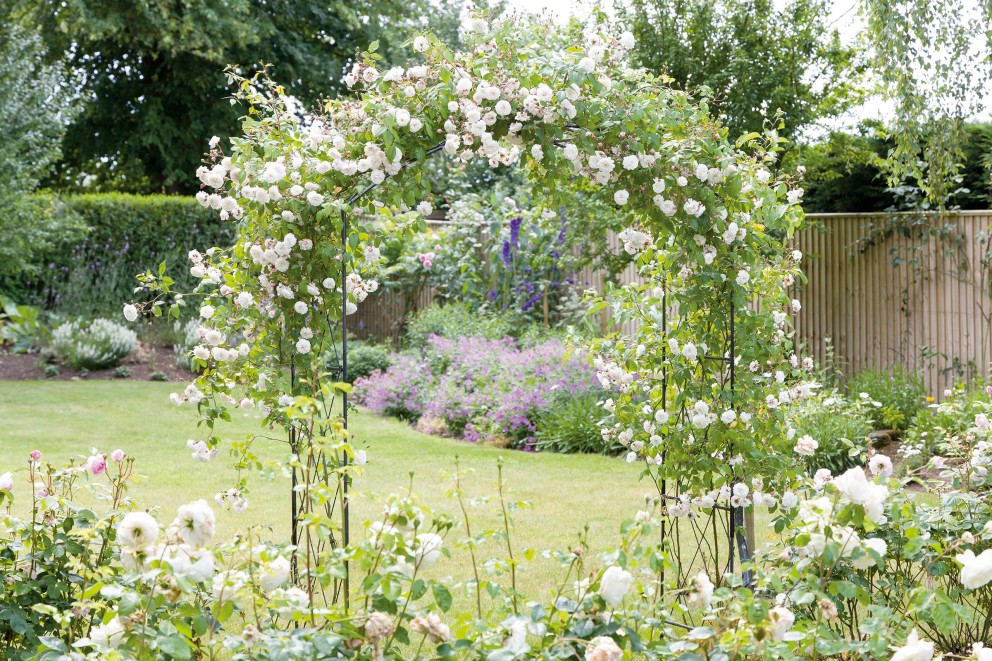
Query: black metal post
346, 531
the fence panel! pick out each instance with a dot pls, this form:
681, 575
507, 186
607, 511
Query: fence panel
910, 299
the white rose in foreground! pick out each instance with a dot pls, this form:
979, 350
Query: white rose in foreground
130, 312
195, 523
857, 489
428, 549
866, 561
104, 637
137, 530
914, 649
975, 571
614, 585
7, 481
603, 648
273, 574
782, 620
704, 591
981, 653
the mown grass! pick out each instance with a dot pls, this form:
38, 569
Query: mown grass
566, 492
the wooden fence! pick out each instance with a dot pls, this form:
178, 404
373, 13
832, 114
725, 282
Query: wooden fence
899, 290
883, 289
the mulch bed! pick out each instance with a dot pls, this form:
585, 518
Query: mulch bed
142, 363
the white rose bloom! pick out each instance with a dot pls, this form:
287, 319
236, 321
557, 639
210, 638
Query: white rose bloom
587, 64
244, 300
105, 637
195, 523
420, 44
857, 489
301, 307
627, 40
704, 591
867, 561
314, 198
975, 571
137, 530
603, 648
630, 162
620, 197
571, 152
425, 208
914, 649
130, 312
273, 574
879, 464
415, 125
207, 311
782, 620
743, 277
274, 172
428, 549
614, 585
303, 346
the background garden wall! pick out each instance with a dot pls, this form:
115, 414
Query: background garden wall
886, 289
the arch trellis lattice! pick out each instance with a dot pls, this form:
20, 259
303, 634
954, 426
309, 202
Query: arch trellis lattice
707, 226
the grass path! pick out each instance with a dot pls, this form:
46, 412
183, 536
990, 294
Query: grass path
66, 419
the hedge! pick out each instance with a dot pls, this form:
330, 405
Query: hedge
93, 272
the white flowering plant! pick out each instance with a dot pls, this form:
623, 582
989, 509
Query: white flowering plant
93, 345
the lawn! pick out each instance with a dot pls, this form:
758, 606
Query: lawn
66, 419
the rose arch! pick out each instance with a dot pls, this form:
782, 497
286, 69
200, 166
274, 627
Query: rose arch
694, 391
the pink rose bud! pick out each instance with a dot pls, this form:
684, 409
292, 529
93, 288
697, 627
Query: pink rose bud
96, 464
35, 455
117, 455
988, 390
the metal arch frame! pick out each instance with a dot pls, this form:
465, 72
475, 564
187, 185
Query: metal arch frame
735, 515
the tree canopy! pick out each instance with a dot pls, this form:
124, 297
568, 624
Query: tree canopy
755, 58
153, 76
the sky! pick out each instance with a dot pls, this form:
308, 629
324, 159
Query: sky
844, 17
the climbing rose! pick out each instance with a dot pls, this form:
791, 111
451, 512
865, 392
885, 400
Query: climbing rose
975, 571
130, 312
914, 649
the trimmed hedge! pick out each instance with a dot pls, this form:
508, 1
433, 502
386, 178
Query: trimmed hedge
93, 273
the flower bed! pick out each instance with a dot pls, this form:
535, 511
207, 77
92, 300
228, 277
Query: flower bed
483, 390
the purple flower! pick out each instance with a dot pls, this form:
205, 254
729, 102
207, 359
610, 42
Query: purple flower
515, 232
506, 253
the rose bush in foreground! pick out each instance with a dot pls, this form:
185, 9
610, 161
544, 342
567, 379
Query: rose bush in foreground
839, 579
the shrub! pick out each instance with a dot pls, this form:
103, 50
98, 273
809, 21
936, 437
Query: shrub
185, 338
90, 273
93, 345
482, 389
451, 321
20, 326
570, 424
839, 425
401, 390
900, 392
942, 429
365, 358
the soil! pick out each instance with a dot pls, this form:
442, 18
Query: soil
142, 363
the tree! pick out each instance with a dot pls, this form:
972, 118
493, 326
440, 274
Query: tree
153, 72
754, 57
36, 103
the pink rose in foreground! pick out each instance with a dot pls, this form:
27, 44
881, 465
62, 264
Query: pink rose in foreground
35, 455
96, 464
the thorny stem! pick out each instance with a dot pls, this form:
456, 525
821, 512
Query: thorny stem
506, 530
468, 532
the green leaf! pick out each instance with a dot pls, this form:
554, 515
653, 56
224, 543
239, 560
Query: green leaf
442, 597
